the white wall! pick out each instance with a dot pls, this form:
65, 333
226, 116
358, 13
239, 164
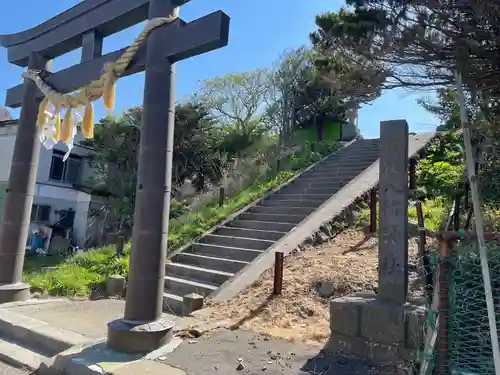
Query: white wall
60, 196
45, 162
7, 139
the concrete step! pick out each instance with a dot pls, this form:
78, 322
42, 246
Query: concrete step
226, 252
334, 180
306, 183
347, 162
172, 304
250, 233
312, 189
211, 262
293, 219
291, 203
339, 168
374, 143
307, 188
243, 243
262, 225
342, 174
181, 287
285, 196
335, 171
199, 274
37, 335
280, 210
352, 158
321, 191
17, 356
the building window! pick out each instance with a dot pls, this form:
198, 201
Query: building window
40, 213
68, 171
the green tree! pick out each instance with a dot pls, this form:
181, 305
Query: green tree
237, 99
198, 154
420, 44
282, 106
350, 76
443, 169
197, 158
317, 101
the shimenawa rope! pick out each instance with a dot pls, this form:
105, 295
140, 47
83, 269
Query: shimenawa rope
103, 87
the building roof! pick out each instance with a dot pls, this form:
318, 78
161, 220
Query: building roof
9, 122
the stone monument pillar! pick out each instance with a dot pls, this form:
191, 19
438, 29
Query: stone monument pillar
393, 206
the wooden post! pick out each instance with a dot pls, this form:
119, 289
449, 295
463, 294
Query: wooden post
468, 219
278, 273
412, 185
221, 196
456, 213
424, 253
442, 358
373, 210
466, 196
120, 244
19, 198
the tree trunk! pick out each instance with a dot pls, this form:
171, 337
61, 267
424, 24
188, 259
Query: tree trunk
293, 117
320, 127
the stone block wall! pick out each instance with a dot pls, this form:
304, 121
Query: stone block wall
365, 326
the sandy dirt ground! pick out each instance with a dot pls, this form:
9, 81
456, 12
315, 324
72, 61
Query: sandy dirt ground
301, 313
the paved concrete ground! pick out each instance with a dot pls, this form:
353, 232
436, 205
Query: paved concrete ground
8, 370
217, 353
86, 317
221, 354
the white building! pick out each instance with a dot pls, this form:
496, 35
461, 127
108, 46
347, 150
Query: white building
60, 196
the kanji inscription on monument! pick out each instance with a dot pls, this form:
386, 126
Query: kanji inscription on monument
393, 195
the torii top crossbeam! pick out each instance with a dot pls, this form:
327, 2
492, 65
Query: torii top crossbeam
88, 23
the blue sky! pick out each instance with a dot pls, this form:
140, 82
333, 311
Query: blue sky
260, 31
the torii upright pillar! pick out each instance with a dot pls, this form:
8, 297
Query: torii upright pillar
19, 198
142, 328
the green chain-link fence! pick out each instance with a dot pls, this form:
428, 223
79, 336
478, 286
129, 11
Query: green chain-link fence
469, 344
469, 350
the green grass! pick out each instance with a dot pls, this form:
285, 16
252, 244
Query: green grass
34, 264
435, 213
84, 272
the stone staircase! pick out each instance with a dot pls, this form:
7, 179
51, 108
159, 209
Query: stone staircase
216, 257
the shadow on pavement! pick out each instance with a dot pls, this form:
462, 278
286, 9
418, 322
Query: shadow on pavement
324, 364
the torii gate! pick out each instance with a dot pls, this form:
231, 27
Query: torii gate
86, 25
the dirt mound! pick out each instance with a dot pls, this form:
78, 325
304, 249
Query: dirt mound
311, 278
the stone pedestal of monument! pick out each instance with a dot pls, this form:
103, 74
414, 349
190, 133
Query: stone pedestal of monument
365, 326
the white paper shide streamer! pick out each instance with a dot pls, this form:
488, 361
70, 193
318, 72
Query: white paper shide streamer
48, 133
